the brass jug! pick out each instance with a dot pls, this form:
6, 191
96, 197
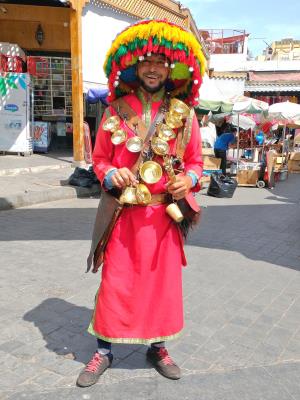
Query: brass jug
128, 196
143, 194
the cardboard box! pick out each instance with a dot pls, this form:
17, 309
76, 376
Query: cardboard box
247, 177
295, 155
211, 163
294, 165
280, 160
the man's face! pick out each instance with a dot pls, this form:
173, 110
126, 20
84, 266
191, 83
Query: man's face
153, 73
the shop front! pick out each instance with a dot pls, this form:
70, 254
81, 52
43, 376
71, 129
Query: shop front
36, 62
58, 47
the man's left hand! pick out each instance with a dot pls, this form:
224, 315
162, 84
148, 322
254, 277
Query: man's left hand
181, 187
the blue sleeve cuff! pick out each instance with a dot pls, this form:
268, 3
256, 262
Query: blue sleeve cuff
194, 177
107, 180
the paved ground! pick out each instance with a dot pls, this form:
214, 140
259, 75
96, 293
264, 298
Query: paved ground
38, 178
242, 304
13, 164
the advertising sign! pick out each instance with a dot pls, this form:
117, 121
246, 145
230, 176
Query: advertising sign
14, 113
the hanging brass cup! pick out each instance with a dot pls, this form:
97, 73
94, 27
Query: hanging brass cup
118, 137
150, 172
178, 107
174, 212
111, 124
128, 196
143, 194
173, 121
165, 132
159, 146
134, 144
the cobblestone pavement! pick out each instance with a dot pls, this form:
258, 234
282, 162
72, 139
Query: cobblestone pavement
242, 304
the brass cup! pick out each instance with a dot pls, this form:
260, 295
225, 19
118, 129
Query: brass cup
159, 146
173, 121
128, 196
174, 212
111, 124
118, 137
143, 194
134, 144
178, 107
165, 132
150, 172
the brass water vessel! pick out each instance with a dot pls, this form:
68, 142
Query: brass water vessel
118, 137
150, 172
179, 108
159, 146
128, 196
134, 144
173, 121
143, 194
165, 132
111, 124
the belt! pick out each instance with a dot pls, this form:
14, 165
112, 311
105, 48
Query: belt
156, 199
160, 198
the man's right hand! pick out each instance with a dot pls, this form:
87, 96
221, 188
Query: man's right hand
123, 177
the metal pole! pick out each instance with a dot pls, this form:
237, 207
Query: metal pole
283, 144
238, 143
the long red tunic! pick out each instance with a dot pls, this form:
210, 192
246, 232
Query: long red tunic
140, 295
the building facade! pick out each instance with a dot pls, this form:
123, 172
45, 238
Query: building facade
68, 40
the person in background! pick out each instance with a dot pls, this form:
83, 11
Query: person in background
224, 139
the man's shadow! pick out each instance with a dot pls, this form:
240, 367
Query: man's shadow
64, 329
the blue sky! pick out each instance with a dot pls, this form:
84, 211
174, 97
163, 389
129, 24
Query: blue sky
268, 19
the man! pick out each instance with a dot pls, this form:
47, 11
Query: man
140, 296
222, 143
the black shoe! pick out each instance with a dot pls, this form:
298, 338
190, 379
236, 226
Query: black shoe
94, 369
163, 363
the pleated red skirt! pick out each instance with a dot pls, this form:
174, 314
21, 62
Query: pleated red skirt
140, 295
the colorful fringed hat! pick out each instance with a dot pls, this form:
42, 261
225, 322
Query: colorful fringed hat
160, 37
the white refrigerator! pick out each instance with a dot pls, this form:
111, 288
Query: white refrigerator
15, 113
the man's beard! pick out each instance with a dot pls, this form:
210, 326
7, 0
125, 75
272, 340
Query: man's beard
150, 89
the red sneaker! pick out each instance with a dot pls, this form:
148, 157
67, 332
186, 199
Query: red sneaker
94, 369
163, 363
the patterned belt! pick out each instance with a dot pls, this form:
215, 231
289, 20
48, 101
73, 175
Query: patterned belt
156, 199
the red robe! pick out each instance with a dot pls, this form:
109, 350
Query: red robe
140, 295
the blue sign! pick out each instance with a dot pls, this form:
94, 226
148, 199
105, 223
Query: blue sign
11, 107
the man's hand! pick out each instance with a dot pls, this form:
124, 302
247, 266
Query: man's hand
123, 177
181, 187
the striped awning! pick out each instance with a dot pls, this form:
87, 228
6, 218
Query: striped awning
272, 87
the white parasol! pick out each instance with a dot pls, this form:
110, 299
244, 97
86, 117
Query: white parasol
285, 113
211, 98
243, 104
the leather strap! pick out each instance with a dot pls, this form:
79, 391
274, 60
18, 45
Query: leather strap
137, 125
184, 135
157, 120
127, 114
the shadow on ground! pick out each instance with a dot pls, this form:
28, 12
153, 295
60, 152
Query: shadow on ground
63, 326
252, 230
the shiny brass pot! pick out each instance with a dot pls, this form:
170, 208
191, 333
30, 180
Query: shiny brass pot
150, 172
